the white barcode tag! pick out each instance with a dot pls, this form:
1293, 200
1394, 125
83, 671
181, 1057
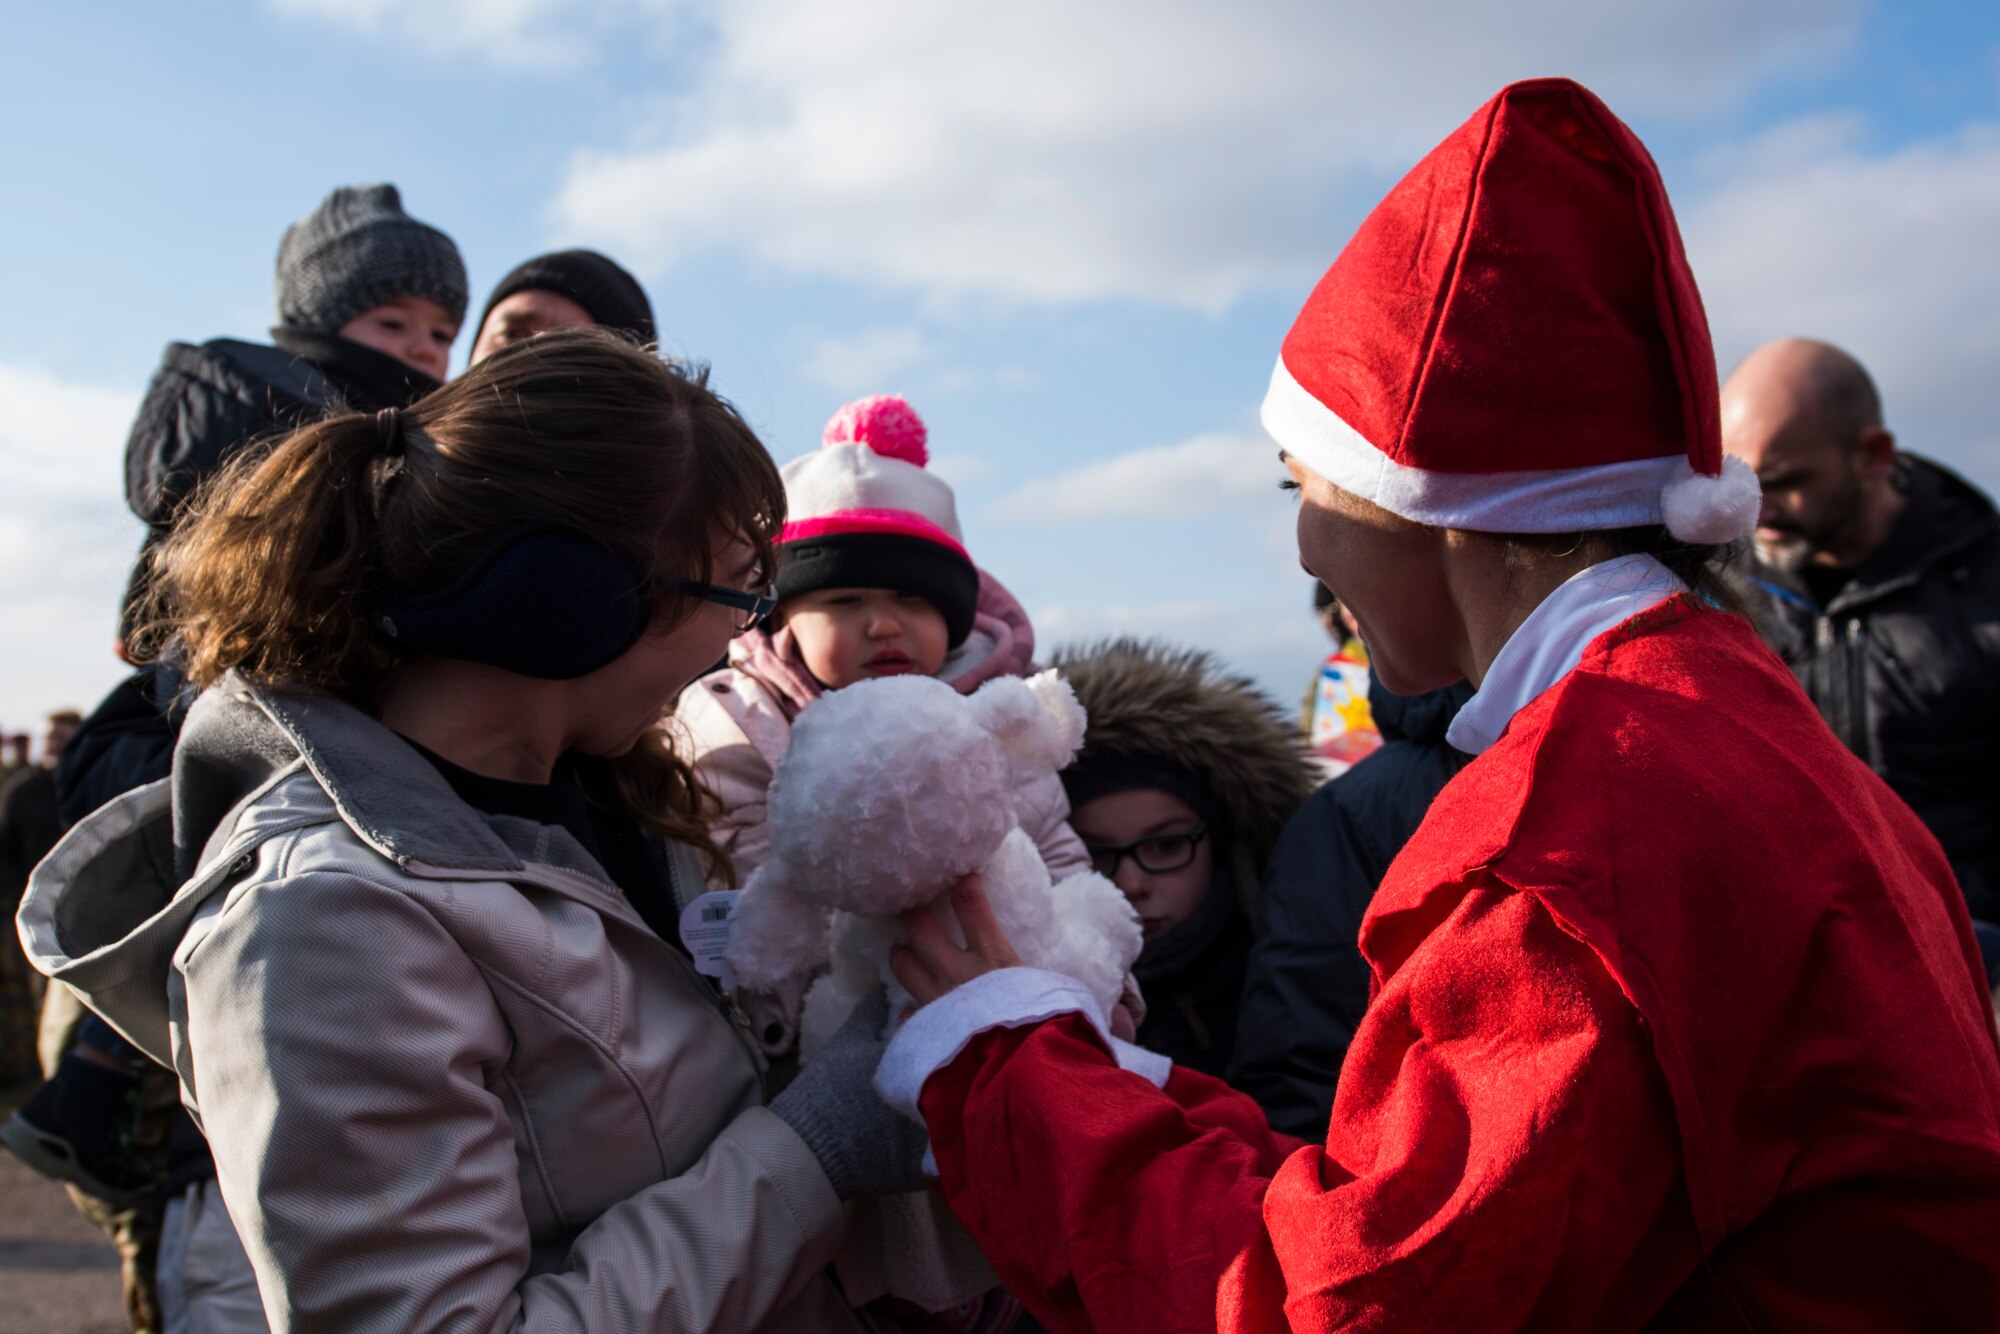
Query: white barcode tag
705, 932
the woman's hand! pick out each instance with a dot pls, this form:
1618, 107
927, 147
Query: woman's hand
932, 963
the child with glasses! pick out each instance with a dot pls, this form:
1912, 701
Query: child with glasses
1186, 778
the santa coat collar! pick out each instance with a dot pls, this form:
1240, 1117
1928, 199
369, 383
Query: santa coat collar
1549, 644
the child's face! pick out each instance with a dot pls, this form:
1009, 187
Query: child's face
858, 634
1144, 828
415, 330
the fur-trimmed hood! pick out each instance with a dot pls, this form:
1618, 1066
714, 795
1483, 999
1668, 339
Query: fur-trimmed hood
1150, 699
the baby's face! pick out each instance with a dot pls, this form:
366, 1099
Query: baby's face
859, 634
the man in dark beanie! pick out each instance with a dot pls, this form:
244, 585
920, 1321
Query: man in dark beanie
369, 301
556, 291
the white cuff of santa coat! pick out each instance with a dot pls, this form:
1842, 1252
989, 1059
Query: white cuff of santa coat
1006, 998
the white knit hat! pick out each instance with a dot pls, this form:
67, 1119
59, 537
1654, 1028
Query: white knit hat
862, 511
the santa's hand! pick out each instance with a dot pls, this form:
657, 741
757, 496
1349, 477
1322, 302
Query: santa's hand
932, 963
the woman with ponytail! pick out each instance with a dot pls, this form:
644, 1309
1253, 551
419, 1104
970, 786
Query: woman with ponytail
407, 917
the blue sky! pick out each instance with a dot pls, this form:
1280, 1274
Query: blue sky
1072, 234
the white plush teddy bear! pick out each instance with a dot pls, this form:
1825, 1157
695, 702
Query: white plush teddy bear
890, 792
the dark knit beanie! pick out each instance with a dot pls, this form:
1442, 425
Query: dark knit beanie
357, 250
1101, 772
611, 295
915, 566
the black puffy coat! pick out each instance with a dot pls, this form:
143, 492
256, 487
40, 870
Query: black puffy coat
125, 743
1307, 984
1904, 664
206, 402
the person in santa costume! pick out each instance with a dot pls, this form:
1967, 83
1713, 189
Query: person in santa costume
1678, 1020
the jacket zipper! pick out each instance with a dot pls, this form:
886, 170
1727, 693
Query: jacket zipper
1830, 683
738, 1021
1857, 689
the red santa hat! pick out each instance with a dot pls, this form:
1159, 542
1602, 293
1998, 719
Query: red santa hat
864, 512
1513, 341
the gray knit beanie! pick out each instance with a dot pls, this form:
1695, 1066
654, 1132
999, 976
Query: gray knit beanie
357, 250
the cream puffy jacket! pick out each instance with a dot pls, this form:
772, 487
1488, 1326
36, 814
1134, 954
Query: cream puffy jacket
450, 1077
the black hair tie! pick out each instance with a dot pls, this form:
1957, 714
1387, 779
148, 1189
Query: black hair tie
389, 426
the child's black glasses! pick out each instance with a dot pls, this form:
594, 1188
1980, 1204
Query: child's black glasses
1156, 853
751, 608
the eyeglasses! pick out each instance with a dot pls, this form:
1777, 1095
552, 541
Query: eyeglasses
751, 608
1157, 853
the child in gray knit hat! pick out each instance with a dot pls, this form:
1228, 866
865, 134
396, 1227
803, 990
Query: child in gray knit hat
360, 268
369, 301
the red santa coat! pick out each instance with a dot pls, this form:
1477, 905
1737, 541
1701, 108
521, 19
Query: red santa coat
1679, 1020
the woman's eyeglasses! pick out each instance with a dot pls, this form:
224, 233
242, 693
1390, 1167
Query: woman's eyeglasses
751, 608
1155, 853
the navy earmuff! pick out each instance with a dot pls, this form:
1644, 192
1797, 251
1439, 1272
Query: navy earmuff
542, 602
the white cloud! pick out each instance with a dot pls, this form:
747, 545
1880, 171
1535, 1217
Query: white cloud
1204, 475
66, 540
1889, 254
1162, 150
864, 361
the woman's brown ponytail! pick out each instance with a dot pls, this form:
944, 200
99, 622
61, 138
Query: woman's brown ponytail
263, 576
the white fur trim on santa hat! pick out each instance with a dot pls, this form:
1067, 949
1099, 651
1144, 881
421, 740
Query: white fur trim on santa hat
1559, 500
1708, 510
837, 478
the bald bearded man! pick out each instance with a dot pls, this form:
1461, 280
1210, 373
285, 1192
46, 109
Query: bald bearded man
1877, 576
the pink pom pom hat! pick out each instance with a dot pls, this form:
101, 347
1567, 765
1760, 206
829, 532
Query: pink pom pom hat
863, 511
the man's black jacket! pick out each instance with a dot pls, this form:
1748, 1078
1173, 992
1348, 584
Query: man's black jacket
1904, 664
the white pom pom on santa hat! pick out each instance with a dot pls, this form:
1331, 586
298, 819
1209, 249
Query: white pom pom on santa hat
1710, 510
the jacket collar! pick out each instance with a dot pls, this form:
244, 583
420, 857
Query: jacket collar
237, 736
1420, 718
367, 379
1547, 646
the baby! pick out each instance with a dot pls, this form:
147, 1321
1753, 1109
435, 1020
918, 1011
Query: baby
873, 581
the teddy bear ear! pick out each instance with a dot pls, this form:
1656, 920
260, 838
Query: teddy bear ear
1038, 719
776, 933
